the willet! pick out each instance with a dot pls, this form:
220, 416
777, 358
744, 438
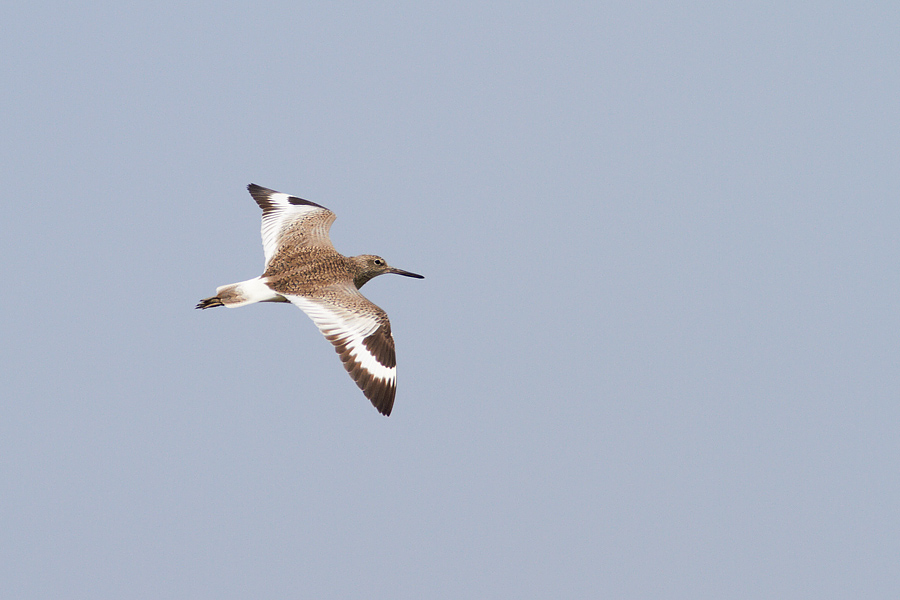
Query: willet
303, 268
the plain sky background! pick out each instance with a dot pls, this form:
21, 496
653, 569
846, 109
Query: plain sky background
655, 354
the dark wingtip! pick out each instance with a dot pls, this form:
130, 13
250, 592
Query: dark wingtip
381, 397
385, 406
261, 195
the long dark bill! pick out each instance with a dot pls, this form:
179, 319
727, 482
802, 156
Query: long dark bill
406, 273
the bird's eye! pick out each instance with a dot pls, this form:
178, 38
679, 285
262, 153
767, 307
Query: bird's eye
379, 262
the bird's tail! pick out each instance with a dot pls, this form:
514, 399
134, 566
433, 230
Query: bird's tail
210, 302
239, 294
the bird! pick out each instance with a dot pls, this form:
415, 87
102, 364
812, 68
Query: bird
302, 267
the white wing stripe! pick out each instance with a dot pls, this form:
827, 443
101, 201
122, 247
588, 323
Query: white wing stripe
347, 328
274, 220
366, 360
280, 199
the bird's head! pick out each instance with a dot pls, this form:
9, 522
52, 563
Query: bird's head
367, 266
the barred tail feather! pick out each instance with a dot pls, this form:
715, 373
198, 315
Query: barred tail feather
210, 302
234, 295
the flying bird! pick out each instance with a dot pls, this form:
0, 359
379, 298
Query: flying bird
303, 268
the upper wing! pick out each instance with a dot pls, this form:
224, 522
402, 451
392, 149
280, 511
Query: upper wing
361, 334
288, 220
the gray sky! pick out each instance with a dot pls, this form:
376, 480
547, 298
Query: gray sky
654, 355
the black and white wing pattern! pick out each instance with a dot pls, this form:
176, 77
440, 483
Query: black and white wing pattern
361, 334
290, 222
